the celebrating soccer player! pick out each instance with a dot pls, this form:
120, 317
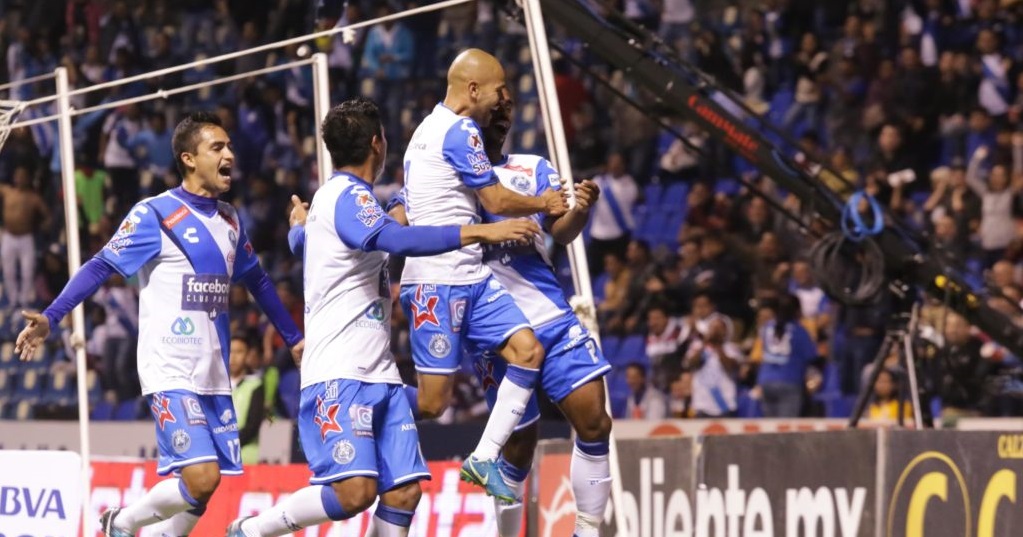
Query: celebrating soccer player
451, 299
355, 421
573, 371
187, 248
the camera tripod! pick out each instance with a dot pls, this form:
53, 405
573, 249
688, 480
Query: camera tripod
901, 329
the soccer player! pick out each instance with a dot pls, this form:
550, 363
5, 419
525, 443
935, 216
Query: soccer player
451, 299
573, 371
355, 420
187, 248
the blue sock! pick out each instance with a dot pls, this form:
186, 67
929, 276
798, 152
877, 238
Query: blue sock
331, 504
395, 516
188, 497
522, 376
596, 449
412, 393
511, 471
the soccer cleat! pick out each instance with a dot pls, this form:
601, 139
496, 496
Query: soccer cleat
106, 524
487, 474
235, 529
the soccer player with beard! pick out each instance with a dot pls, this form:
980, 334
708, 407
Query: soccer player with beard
452, 300
573, 371
187, 248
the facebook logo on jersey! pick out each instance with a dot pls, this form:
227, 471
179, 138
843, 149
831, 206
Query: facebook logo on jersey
205, 292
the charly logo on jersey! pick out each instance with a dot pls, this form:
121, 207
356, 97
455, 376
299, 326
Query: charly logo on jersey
180, 441
205, 292
440, 346
190, 235
182, 329
362, 420
343, 452
424, 305
226, 416
233, 238
457, 314
326, 418
161, 410
193, 411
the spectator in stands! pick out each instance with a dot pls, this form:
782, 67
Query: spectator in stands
715, 369
645, 401
612, 223
388, 59
813, 302
993, 91
788, 350
616, 287
115, 152
689, 271
997, 226
23, 213
248, 396
857, 338
705, 210
724, 277
885, 404
663, 344
120, 303
962, 370
680, 398
811, 64
151, 148
90, 183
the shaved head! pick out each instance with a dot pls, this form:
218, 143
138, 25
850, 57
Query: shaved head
476, 85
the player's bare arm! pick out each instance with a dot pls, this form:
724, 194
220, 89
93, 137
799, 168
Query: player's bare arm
566, 228
497, 199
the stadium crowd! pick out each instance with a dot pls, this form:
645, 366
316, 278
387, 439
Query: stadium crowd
707, 302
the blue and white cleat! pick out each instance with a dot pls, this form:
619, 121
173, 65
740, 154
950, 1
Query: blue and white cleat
106, 524
235, 529
487, 474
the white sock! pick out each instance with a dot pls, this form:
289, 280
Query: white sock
591, 485
179, 525
509, 516
389, 521
512, 396
306, 507
383, 528
166, 499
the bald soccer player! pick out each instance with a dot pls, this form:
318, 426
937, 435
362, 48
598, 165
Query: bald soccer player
452, 299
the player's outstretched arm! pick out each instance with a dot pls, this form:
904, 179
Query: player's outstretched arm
566, 228
82, 285
499, 200
507, 230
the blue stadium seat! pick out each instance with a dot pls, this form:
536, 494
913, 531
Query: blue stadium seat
936, 407
632, 350
30, 386
840, 407
618, 390
528, 140
289, 393
610, 344
8, 360
6, 383
6, 409
653, 193
670, 233
748, 407
24, 411
727, 186
526, 85
59, 389
92, 386
651, 229
102, 411
127, 410
675, 196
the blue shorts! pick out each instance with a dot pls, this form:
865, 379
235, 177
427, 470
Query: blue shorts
445, 317
352, 428
193, 429
572, 359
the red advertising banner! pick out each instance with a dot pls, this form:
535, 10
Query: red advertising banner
449, 507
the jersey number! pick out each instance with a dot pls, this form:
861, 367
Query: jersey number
593, 351
234, 445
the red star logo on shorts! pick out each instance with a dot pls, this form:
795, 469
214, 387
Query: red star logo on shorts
423, 310
326, 418
161, 409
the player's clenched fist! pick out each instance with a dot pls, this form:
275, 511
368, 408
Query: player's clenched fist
586, 194
555, 202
